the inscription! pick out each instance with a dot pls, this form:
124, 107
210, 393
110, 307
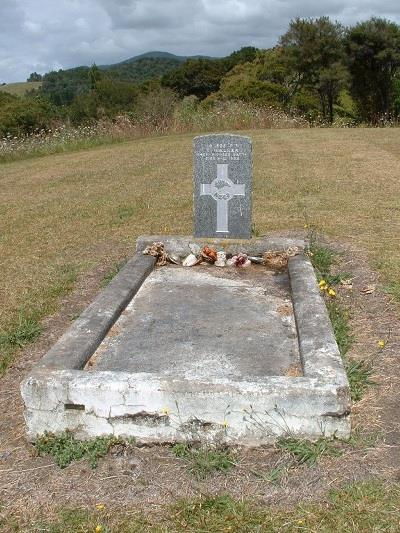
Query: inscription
222, 151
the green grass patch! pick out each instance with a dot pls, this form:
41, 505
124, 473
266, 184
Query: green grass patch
112, 273
26, 330
394, 290
65, 448
204, 461
124, 212
306, 451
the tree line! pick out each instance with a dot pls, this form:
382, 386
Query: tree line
318, 69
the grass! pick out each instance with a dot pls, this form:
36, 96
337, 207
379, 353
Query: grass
394, 290
65, 448
25, 327
358, 372
341, 327
205, 461
20, 88
306, 451
356, 508
112, 273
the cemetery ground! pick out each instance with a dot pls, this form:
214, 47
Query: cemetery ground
69, 221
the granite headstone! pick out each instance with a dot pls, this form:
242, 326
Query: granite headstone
222, 186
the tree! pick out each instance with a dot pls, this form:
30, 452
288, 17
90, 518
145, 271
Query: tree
34, 76
313, 50
200, 77
373, 49
95, 76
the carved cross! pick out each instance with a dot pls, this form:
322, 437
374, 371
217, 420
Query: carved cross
222, 189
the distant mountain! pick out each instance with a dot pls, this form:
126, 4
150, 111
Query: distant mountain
147, 66
155, 55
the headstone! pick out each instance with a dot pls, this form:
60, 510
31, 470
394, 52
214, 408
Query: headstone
222, 186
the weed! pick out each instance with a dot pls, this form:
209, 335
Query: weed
112, 273
206, 460
306, 451
274, 475
321, 257
65, 448
255, 230
359, 374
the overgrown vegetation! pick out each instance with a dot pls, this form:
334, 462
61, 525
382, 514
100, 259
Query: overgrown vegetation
203, 461
359, 507
65, 448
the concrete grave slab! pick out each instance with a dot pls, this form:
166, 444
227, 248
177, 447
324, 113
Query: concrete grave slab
170, 354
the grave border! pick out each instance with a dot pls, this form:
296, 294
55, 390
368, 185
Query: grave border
59, 395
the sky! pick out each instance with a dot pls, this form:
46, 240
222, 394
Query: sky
44, 35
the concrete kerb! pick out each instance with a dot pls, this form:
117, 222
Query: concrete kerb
58, 395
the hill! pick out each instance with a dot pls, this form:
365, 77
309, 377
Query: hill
20, 88
155, 55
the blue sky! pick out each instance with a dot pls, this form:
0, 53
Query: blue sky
41, 35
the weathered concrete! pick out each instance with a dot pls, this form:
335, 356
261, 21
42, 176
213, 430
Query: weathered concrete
244, 406
78, 344
203, 324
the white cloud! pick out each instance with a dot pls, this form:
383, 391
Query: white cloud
46, 34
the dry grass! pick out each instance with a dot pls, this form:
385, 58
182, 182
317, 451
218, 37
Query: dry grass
57, 212
20, 88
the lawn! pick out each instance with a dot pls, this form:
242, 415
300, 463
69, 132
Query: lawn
64, 218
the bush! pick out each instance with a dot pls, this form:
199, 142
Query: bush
22, 116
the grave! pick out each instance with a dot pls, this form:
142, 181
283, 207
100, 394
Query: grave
234, 354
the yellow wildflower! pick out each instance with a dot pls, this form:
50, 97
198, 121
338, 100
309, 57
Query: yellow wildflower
322, 285
100, 506
225, 423
300, 522
165, 411
381, 343
332, 293
99, 529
